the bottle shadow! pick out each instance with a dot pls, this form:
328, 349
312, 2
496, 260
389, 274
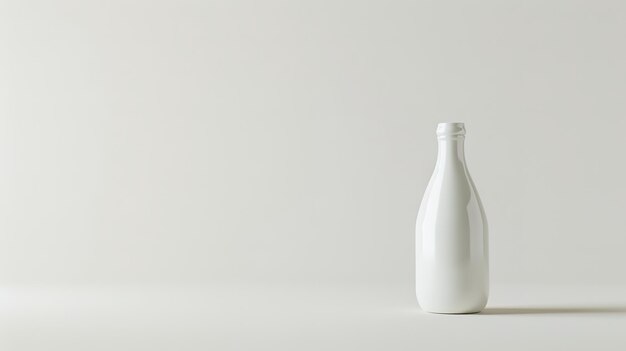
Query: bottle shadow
555, 310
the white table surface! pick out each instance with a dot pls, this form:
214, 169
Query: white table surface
305, 317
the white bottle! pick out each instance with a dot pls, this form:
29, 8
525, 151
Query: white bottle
452, 260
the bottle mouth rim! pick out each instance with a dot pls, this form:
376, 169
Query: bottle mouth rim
450, 129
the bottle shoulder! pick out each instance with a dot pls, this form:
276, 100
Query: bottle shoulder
451, 190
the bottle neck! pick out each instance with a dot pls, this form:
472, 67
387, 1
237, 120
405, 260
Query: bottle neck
451, 149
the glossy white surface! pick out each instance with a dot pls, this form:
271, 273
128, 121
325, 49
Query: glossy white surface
452, 260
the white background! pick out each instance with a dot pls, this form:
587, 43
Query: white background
237, 143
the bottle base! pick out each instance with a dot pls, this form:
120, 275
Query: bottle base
446, 312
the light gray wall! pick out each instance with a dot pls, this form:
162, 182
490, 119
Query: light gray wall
291, 141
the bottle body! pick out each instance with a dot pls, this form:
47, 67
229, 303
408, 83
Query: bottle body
452, 250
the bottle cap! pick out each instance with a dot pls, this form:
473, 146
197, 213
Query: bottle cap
451, 129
